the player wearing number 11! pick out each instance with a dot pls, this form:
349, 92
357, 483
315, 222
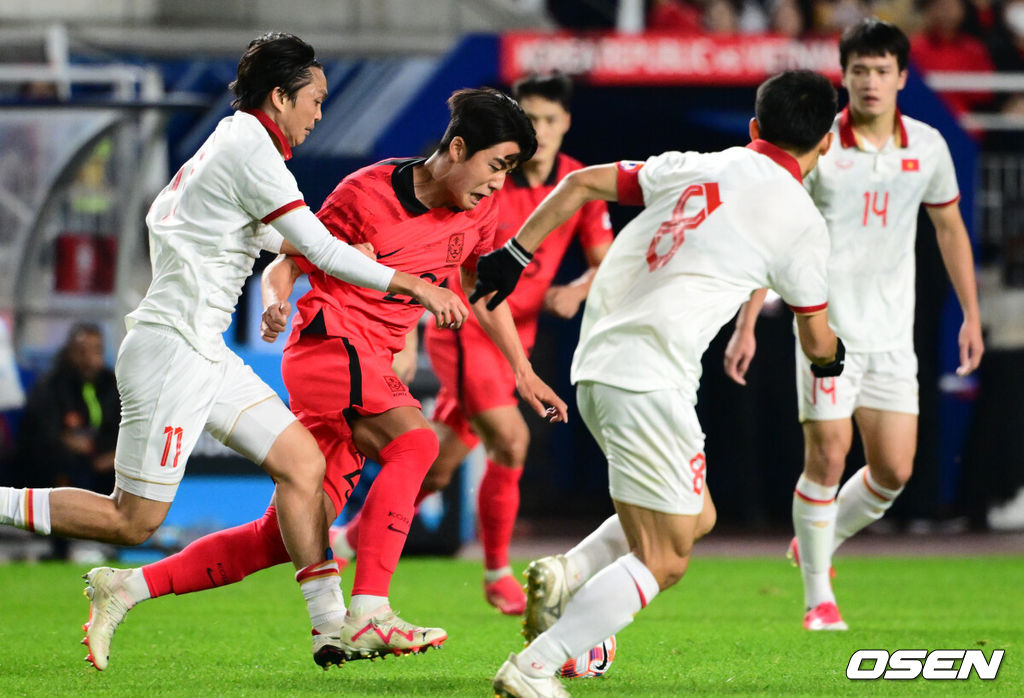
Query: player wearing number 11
869, 188
715, 227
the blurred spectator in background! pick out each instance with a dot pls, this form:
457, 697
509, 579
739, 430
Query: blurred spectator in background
942, 43
676, 16
722, 17
69, 430
835, 16
789, 18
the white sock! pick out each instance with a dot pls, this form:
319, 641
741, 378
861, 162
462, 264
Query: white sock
134, 585
595, 552
321, 587
814, 520
603, 606
365, 603
491, 576
27, 508
862, 501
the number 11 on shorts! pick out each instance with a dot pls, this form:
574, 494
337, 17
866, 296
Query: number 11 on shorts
172, 434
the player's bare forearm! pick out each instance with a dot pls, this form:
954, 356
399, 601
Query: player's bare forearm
576, 189
955, 247
817, 340
500, 327
746, 319
278, 279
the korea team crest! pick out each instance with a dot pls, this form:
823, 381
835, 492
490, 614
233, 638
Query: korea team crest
396, 386
455, 243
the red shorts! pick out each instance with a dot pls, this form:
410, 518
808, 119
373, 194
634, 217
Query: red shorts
474, 376
331, 382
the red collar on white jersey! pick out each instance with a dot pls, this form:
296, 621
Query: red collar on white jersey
848, 139
780, 156
274, 130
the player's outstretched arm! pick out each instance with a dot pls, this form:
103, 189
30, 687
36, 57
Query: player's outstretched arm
308, 236
742, 345
499, 271
500, 327
955, 246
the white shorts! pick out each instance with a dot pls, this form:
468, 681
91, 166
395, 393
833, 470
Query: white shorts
878, 380
169, 394
653, 443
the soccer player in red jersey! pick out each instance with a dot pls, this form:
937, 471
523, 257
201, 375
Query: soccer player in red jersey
427, 217
477, 400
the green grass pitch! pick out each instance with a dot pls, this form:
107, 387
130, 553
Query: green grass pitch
731, 627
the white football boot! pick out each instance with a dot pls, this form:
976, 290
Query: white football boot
511, 681
109, 603
547, 593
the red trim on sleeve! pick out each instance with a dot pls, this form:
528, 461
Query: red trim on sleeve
944, 203
274, 130
627, 183
274, 215
30, 512
805, 309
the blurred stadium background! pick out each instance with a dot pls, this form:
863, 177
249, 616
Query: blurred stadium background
101, 99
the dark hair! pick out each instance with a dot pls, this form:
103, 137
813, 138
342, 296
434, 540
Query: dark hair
873, 37
554, 87
274, 60
485, 117
795, 109
63, 359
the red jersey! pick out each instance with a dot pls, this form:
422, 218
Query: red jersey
517, 200
377, 204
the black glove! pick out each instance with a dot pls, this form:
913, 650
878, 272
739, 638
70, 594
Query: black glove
835, 367
499, 270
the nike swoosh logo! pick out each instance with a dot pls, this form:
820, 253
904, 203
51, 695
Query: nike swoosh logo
391, 527
382, 256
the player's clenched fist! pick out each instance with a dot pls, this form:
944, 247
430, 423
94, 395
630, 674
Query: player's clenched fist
274, 320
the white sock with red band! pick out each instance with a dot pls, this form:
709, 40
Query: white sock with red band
321, 587
814, 520
27, 508
861, 501
595, 552
602, 607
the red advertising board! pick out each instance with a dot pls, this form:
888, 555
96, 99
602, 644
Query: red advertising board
663, 59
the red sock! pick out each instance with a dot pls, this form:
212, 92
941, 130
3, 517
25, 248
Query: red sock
352, 527
497, 506
224, 557
389, 508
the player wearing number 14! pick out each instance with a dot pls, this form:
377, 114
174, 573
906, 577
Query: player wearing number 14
715, 227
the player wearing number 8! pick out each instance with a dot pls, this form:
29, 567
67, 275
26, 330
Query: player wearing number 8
715, 227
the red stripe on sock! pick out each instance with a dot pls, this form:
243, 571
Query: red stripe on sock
811, 500
643, 599
30, 514
871, 489
325, 568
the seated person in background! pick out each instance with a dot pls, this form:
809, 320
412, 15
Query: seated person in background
69, 430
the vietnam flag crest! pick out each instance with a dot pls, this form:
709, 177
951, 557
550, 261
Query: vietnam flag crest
911, 165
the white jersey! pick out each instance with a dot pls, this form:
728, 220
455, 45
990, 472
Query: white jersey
208, 225
870, 199
715, 227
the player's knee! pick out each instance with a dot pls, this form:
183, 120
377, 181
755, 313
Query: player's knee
893, 478
436, 479
509, 448
667, 568
134, 529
